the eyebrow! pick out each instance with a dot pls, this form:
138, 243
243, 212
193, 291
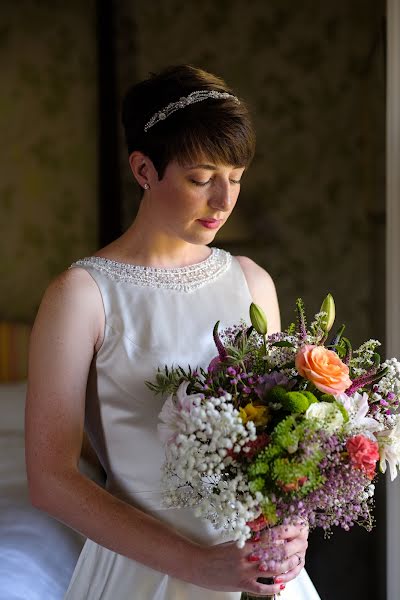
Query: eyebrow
209, 167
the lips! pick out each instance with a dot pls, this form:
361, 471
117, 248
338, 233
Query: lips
210, 223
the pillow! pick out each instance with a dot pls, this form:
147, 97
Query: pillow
14, 342
12, 418
12, 406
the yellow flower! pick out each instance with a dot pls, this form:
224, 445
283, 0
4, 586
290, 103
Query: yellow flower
257, 414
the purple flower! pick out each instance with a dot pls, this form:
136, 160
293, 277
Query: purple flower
269, 381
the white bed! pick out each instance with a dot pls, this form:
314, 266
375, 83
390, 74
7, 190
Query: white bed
37, 553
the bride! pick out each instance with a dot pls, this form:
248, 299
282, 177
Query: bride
148, 299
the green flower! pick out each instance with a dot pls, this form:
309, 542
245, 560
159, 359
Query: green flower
258, 319
295, 402
328, 307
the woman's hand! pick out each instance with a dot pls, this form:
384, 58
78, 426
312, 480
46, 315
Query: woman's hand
292, 541
229, 568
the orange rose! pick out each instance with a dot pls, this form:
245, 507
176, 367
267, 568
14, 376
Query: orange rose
323, 368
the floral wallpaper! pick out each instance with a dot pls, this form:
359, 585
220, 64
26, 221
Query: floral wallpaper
48, 120
311, 206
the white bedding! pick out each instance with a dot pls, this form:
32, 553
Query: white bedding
37, 553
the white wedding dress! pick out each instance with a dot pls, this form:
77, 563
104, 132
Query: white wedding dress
154, 317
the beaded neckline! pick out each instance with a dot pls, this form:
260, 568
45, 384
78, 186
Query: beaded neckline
185, 279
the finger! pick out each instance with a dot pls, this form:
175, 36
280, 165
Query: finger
293, 562
279, 557
257, 588
295, 546
274, 568
284, 532
268, 553
294, 572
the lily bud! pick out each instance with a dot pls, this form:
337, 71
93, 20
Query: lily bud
258, 319
328, 307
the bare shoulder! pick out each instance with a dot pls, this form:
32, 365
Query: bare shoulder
72, 299
70, 282
262, 290
258, 279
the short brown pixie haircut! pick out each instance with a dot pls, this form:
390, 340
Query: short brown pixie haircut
219, 130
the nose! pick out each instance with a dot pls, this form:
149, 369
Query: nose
221, 197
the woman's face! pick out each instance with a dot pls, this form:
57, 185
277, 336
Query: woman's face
193, 202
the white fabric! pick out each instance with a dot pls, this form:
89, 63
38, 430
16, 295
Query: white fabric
146, 328
37, 554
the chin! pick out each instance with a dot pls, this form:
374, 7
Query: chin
202, 239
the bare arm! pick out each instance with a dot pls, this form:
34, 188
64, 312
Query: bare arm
67, 332
64, 338
263, 291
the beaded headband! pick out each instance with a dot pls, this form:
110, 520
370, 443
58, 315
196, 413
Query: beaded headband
197, 96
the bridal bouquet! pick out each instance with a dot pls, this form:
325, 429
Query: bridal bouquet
281, 426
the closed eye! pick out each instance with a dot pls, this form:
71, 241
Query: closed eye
203, 183
200, 183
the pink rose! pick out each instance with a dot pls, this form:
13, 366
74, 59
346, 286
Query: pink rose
258, 524
323, 368
364, 453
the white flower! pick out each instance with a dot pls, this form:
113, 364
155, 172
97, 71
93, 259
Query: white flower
328, 414
391, 381
170, 415
389, 449
357, 408
199, 469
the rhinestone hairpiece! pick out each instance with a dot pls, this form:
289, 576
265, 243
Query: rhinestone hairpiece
197, 96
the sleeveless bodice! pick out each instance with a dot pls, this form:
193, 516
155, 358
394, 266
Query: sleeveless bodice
154, 317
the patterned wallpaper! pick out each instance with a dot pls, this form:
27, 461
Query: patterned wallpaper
311, 206
48, 121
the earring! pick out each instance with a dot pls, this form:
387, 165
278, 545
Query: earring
146, 186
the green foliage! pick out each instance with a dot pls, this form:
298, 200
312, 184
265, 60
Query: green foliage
301, 315
283, 344
245, 346
257, 485
283, 465
337, 337
343, 411
291, 330
269, 511
167, 381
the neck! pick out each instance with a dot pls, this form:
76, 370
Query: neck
145, 244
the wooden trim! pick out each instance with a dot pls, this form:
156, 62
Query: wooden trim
393, 267
109, 192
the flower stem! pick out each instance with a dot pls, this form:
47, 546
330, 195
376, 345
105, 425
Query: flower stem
246, 596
